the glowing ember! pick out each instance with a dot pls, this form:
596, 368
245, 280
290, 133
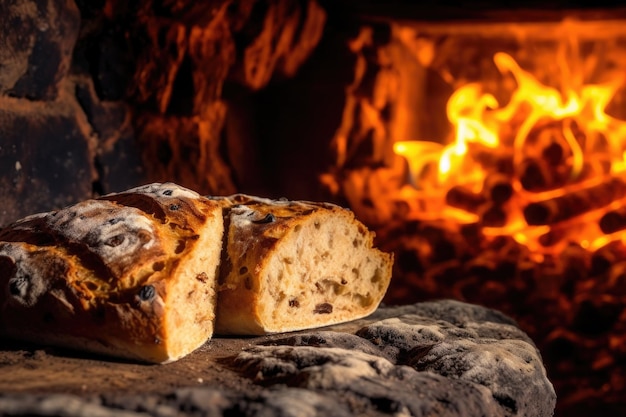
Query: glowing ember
546, 168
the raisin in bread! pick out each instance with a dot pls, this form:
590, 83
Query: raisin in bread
292, 265
129, 274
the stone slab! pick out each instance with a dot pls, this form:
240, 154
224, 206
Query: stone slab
442, 358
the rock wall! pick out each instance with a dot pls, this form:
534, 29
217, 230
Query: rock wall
99, 96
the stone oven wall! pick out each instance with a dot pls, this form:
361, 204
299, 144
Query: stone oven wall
41, 119
100, 96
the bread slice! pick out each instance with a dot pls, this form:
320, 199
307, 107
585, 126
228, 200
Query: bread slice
292, 265
131, 274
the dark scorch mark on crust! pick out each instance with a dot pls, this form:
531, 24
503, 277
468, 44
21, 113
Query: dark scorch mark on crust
269, 218
143, 202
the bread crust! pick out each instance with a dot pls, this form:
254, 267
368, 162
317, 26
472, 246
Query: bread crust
290, 265
116, 275
136, 274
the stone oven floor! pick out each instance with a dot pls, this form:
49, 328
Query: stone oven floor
442, 358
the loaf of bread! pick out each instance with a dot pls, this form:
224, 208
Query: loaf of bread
131, 274
291, 265
136, 274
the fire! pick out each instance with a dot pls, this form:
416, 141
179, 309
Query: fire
546, 167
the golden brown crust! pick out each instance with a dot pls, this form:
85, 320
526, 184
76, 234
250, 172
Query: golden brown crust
296, 264
135, 274
107, 275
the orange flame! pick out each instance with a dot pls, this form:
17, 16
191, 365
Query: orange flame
587, 144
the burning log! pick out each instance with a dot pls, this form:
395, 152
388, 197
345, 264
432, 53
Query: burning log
613, 221
553, 237
607, 259
553, 154
492, 215
500, 162
538, 175
462, 198
573, 204
487, 204
535, 175
498, 188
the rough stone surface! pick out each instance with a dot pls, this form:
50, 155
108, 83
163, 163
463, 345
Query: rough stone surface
190, 53
56, 153
118, 158
441, 358
46, 154
36, 43
184, 147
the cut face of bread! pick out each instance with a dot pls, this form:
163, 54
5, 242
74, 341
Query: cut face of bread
130, 274
291, 265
